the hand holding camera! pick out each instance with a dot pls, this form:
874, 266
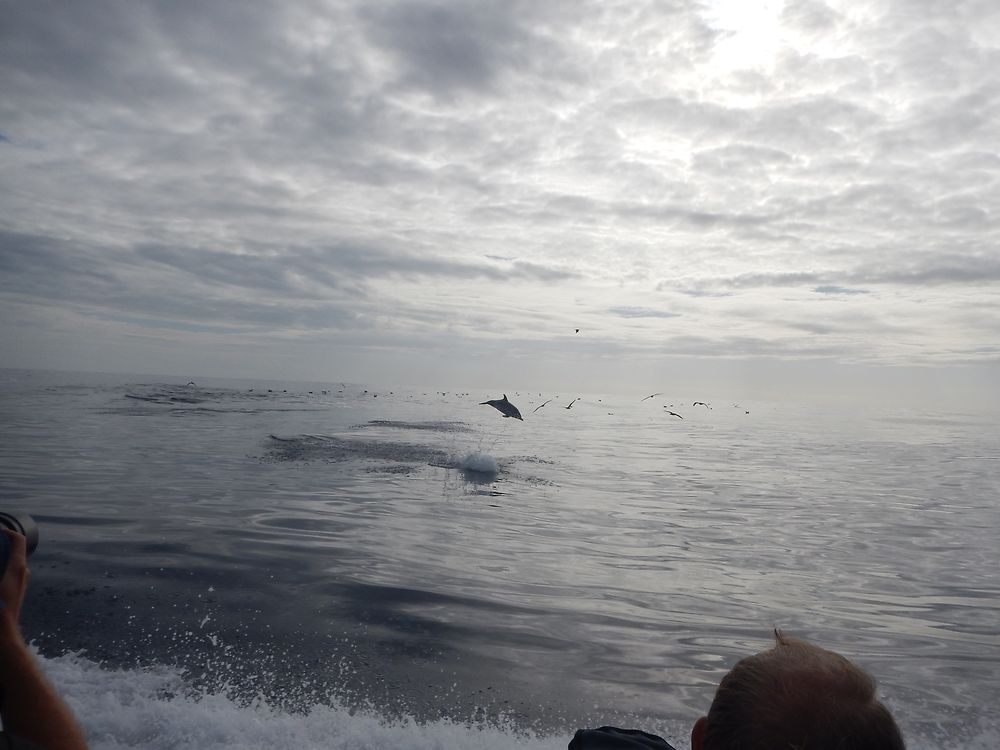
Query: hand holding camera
22, 524
18, 539
32, 712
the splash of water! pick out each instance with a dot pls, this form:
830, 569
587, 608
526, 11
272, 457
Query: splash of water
155, 708
482, 463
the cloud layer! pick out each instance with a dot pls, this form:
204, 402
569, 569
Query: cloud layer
797, 180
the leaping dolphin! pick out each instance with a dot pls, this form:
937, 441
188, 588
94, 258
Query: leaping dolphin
504, 406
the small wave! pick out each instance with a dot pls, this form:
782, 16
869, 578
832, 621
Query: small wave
330, 448
172, 395
426, 426
153, 399
392, 469
192, 400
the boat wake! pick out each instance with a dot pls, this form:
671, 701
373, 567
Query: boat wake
156, 708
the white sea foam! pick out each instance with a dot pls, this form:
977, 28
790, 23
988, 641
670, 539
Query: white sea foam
482, 463
155, 708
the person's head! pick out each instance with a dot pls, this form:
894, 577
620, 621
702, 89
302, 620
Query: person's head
796, 696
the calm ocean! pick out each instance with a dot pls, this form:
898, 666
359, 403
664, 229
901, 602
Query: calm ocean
236, 564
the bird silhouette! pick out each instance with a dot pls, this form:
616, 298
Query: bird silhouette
539, 406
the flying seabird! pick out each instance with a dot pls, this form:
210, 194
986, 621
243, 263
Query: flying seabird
572, 402
701, 403
650, 396
539, 406
504, 406
675, 414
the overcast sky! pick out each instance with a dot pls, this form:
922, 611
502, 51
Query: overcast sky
743, 195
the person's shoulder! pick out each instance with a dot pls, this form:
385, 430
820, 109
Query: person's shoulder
613, 738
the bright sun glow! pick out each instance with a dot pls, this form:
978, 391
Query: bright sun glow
754, 32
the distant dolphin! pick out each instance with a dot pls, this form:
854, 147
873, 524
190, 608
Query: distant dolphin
504, 406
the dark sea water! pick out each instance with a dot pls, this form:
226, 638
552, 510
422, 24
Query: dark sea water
366, 568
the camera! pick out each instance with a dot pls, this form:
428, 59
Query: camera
23, 524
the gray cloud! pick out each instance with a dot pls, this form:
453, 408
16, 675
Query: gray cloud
641, 312
811, 15
749, 346
740, 157
817, 328
442, 47
834, 289
305, 288
965, 270
974, 270
276, 274
52, 270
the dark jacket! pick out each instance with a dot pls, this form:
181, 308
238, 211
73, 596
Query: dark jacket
613, 738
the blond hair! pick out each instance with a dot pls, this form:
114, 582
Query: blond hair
798, 696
